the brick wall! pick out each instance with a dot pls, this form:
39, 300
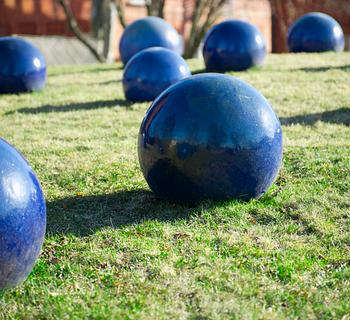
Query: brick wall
178, 13
257, 12
45, 17
40, 17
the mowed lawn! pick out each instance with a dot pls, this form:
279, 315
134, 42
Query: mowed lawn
115, 251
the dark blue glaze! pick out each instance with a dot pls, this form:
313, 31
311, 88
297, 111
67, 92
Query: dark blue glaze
22, 217
22, 66
146, 33
233, 45
210, 136
151, 71
315, 32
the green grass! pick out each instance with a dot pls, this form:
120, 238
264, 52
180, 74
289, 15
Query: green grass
114, 251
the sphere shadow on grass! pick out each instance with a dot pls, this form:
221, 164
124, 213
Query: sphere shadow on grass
338, 116
74, 107
324, 69
258, 68
85, 70
84, 215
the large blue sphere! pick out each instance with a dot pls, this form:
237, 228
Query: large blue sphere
146, 33
151, 71
22, 66
315, 32
210, 136
233, 45
22, 217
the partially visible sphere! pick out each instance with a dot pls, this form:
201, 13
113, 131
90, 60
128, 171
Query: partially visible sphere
146, 33
210, 136
315, 32
151, 71
22, 217
22, 66
233, 45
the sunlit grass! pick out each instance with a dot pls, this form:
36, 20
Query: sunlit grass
114, 251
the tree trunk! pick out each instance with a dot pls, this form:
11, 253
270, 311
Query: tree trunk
109, 29
155, 8
73, 25
121, 12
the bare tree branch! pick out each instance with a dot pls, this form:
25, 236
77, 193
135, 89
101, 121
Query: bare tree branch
204, 16
73, 25
121, 12
198, 9
149, 7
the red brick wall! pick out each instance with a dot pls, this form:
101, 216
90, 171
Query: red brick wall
45, 17
40, 17
257, 12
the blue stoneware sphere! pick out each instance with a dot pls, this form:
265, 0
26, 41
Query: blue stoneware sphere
22, 66
151, 71
146, 33
315, 32
233, 45
22, 217
210, 136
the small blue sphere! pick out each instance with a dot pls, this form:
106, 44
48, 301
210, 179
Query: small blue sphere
151, 71
22, 217
146, 33
210, 136
233, 45
315, 32
22, 66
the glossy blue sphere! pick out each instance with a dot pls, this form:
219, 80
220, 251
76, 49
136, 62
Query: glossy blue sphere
233, 45
210, 136
151, 71
146, 33
22, 217
315, 32
22, 66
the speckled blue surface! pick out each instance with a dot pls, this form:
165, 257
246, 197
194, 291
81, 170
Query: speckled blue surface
233, 45
22, 217
151, 71
210, 136
315, 32
146, 33
22, 66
